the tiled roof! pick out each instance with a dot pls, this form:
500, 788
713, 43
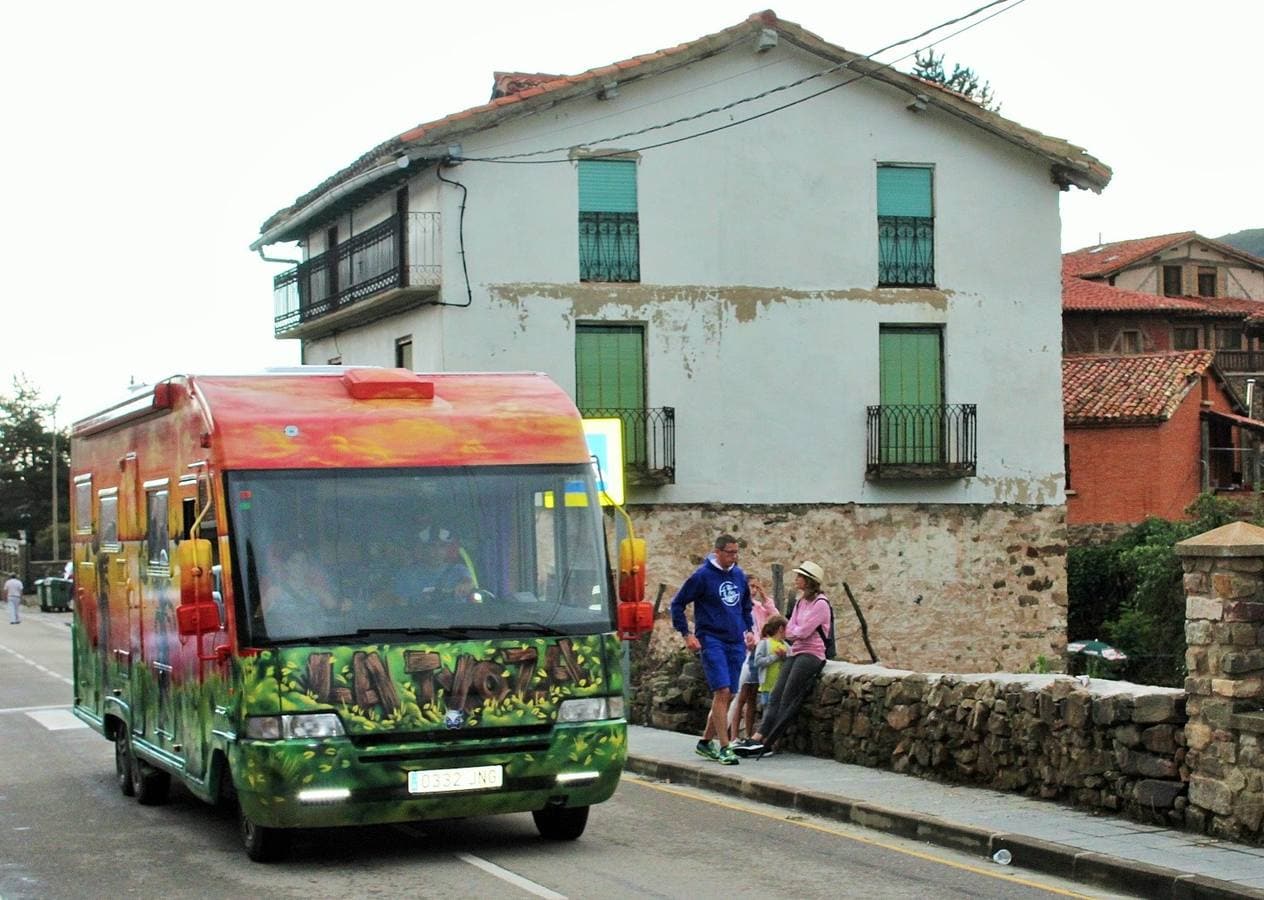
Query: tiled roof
1097, 296
1080, 295
1071, 164
1107, 258
1119, 390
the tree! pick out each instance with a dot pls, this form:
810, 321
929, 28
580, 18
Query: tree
963, 80
26, 476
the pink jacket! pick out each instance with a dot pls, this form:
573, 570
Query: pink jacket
807, 617
762, 611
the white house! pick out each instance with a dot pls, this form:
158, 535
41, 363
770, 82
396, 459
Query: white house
824, 296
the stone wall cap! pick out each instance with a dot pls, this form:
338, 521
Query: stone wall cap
1099, 687
1234, 539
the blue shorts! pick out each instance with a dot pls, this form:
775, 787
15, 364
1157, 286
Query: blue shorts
722, 663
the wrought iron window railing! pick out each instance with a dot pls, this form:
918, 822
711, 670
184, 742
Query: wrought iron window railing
906, 251
402, 251
609, 246
905, 441
649, 441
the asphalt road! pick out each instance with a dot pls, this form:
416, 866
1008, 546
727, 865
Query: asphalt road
67, 832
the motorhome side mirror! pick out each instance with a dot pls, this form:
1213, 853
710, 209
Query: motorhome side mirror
635, 619
194, 556
194, 619
631, 570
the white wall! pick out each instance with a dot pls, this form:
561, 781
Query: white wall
759, 271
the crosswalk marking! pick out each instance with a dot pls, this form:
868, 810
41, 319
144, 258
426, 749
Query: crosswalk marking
56, 719
33, 664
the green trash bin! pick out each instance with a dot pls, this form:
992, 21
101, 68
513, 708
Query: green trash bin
60, 590
41, 593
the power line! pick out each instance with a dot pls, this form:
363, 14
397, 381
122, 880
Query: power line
519, 158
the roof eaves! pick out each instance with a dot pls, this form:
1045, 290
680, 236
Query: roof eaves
432, 138
1072, 165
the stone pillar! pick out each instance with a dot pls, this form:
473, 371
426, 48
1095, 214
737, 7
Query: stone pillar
1224, 612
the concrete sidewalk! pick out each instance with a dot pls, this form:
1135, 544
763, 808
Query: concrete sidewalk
1114, 853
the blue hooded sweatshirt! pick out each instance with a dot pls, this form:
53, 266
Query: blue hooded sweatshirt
721, 603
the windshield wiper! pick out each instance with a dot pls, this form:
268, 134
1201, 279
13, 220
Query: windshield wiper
414, 630
530, 626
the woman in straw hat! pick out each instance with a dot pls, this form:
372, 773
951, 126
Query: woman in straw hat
806, 634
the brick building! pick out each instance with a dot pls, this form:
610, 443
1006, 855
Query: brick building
1146, 433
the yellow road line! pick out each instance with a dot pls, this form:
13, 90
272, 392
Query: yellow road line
1008, 878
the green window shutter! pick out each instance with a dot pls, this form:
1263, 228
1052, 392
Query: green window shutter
911, 394
906, 226
610, 380
607, 185
609, 367
904, 191
609, 226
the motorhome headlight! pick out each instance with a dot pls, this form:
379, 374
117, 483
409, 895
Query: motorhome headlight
588, 709
304, 726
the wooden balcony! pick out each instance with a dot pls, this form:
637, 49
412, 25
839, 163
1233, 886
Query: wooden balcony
385, 269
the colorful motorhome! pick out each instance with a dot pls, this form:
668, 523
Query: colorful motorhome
254, 616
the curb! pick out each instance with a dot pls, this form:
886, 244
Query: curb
1063, 860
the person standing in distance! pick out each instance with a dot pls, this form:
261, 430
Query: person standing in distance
13, 593
723, 634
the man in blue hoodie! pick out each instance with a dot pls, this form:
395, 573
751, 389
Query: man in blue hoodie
723, 634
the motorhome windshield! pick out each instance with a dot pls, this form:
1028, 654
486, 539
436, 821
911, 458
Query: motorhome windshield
371, 553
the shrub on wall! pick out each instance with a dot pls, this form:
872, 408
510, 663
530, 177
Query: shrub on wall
1128, 592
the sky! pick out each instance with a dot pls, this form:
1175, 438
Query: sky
145, 142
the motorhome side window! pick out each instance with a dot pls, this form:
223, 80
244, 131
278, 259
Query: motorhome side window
83, 505
159, 531
108, 515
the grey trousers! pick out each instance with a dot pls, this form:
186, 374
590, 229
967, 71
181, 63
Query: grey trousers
13, 611
792, 688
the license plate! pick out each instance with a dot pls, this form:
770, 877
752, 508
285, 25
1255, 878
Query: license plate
441, 781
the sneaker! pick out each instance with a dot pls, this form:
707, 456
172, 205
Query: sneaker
727, 757
739, 742
747, 749
707, 750
767, 751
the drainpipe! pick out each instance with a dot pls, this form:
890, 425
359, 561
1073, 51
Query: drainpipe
292, 262
1206, 449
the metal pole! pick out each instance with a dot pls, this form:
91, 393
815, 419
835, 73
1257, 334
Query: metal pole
56, 541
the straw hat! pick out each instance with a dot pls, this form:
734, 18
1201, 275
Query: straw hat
809, 569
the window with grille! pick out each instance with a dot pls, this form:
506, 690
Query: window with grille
906, 226
609, 224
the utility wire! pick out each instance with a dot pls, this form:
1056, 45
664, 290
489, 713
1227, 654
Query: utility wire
519, 158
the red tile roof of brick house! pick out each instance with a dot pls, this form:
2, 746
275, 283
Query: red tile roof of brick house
1120, 390
1071, 165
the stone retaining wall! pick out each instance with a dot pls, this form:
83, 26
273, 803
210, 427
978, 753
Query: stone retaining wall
966, 587
1102, 745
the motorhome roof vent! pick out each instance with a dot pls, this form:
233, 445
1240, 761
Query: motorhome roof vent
387, 384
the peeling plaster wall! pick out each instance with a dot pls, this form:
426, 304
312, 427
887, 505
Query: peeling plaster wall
759, 269
759, 259
942, 587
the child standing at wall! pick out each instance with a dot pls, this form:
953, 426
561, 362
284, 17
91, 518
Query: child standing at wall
769, 653
744, 705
